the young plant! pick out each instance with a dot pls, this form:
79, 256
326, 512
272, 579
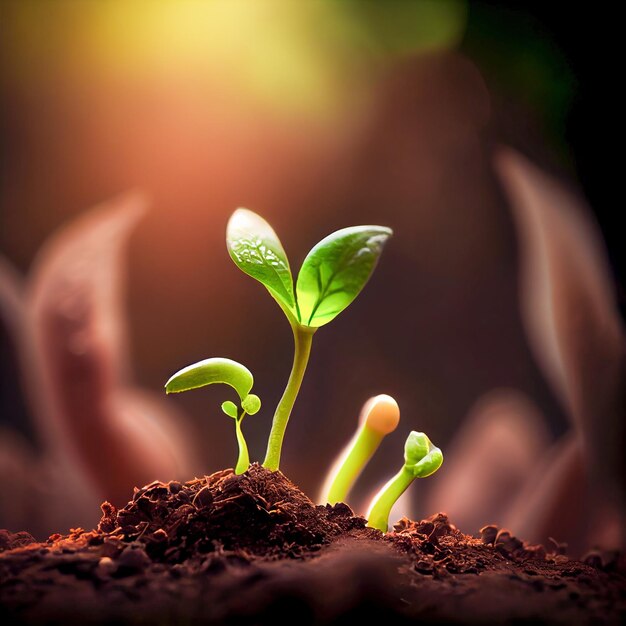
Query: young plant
332, 275
421, 459
380, 416
219, 370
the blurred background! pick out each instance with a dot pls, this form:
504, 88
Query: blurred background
477, 132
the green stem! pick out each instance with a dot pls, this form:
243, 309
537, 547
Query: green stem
378, 516
361, 449
243, 461
302, 336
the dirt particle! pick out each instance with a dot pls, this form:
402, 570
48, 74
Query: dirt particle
488, 534
9, 540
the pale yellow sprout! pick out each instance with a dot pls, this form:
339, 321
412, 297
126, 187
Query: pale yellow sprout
379, 416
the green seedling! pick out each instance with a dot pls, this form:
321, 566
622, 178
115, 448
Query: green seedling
379, 417
219, 370
332, 275
421, 459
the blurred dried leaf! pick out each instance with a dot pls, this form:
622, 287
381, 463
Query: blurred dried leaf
575, 330
80, 372
489, 459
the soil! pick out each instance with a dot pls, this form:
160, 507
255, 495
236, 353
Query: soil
253, 549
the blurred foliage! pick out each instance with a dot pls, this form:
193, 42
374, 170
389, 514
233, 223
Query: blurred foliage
292, 57
303, 55
522, 63
404, 27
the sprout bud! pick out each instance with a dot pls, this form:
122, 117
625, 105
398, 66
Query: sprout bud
379, 417
421, 459
381, 414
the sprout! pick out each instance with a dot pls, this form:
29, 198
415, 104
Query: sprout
332, 275
379, 417
421, 459
218, 370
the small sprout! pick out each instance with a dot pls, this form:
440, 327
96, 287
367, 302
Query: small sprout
331, 277
379, 417
421, 459
219, 370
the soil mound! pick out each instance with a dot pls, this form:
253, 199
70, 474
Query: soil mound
253, 549
260, 512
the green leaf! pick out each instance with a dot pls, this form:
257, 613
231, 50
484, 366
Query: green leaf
230, 408
335, 271
210, 371
251, 404
256, 250
421, 457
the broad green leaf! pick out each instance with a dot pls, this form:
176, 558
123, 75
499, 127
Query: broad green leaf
251, 404
210, 371
256, 250
335, 271
230, 408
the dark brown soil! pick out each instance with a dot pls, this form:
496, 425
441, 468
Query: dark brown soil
253, 549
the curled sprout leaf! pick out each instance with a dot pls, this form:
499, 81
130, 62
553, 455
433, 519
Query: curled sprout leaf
421, 459
229, 372
256, 250
211, 371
